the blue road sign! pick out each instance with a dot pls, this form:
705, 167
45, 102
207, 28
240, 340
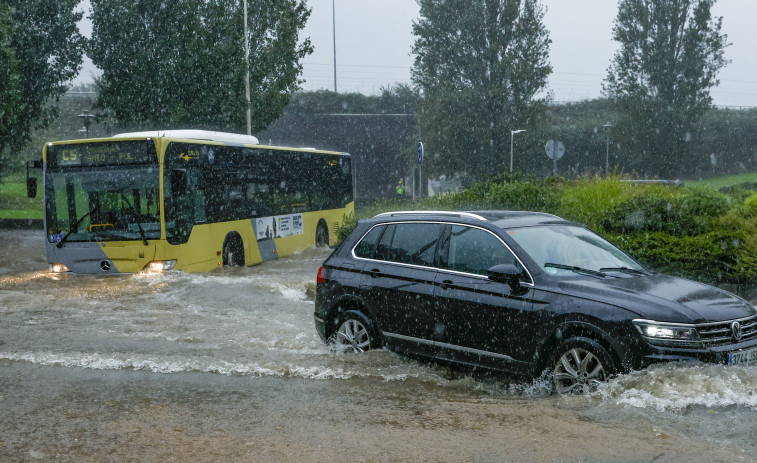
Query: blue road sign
420, 153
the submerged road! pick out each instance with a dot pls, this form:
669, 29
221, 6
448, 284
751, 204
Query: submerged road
226, 366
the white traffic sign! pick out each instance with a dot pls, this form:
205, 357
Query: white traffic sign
555, 149
420, 153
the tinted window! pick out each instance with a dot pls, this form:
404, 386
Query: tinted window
367, 246
414, 243
382, 250
472, 250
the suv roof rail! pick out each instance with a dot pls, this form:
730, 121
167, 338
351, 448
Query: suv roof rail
449, 213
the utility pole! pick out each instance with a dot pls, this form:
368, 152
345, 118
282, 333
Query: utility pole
247, 69
333, 25
607, 149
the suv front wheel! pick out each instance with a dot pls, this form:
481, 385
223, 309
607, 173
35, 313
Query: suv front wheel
355, 333
580, 365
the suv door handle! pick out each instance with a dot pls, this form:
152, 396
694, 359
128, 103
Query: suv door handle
374, 272
446, 284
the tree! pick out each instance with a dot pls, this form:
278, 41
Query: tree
182, 63
40, 52
10, 95
480, 66
670, 54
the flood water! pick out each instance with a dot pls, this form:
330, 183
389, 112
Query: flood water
227, 366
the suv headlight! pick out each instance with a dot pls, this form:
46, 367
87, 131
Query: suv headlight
668, 333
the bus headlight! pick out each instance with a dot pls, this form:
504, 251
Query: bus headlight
58, 268
158, 266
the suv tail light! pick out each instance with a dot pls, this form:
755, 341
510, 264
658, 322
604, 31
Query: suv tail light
321, 278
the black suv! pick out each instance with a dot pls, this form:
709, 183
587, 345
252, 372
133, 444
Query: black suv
521, 292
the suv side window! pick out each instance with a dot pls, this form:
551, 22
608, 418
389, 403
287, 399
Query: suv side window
473, 250
367, 246
414, 243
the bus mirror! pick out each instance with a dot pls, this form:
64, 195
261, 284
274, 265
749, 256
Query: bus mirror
31, 187
179, 182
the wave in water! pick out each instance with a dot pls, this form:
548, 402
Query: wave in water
96, 361
676, 387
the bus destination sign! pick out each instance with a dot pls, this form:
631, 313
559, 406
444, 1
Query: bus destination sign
103, 154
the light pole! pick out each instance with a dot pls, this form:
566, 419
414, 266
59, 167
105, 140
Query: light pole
333, 26
607, 150
247, 69
86, 117
512, 136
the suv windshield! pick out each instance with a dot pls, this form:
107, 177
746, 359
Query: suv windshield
570, 246
111, 203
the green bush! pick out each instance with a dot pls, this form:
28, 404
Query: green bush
703, 201
714, 257
750, 205
589, 201
521, 196
348, 224
654, 214
691, 232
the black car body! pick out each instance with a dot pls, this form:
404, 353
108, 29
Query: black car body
520, 292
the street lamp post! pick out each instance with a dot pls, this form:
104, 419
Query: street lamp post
247, 70
512, 136
333, 31
87, 118
607, 150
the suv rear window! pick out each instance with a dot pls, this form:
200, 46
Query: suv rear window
472, 250
367, 246
414, 243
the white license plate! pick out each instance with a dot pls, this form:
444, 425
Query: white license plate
743, 357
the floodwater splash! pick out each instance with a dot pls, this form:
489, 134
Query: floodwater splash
681, 386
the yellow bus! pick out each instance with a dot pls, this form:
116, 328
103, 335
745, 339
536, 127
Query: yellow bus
187, 200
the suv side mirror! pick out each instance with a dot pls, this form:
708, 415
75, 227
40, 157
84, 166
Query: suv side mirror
178, 182
508, 274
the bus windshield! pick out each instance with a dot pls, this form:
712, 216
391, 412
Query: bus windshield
105, 203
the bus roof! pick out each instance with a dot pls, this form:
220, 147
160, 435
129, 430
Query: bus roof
194, 135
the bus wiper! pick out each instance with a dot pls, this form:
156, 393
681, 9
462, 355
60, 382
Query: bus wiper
573, 268
76, 225
632, 271
136, 216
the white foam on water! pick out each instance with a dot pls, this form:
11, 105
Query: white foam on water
292, 294
116, 361
676, 387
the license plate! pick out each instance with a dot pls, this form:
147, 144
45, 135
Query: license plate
743, 357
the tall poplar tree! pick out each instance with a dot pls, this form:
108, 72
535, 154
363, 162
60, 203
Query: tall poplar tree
670, 54
41, 50
181, 64
481, 69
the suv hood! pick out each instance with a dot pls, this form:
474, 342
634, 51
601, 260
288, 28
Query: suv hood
662, 298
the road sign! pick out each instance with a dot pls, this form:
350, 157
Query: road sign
420, 153
555, 149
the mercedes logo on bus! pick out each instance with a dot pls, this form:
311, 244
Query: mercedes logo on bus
105, 265
736, 330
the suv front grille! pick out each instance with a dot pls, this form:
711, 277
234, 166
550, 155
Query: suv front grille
721, 333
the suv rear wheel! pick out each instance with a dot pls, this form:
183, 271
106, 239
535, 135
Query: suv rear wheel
355, 333
580, 366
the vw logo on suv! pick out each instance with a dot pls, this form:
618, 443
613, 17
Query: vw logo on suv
736, 330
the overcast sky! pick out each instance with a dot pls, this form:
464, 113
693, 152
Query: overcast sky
374, 41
